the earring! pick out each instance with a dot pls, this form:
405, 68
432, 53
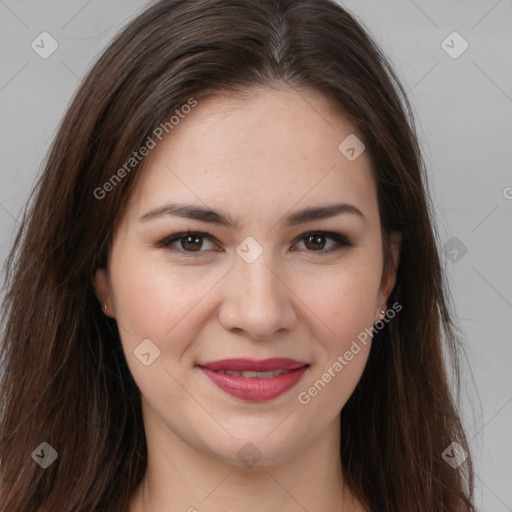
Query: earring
106, 307
382, 314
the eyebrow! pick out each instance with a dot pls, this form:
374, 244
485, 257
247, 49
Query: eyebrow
208, 215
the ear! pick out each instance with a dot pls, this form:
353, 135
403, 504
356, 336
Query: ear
389, 274
102, 290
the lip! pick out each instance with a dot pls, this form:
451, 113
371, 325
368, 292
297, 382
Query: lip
254, 389
254, 365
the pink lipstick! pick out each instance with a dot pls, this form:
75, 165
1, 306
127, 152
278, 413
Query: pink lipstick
254, 380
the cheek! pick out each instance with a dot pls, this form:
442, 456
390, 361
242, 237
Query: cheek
157, 301
344, 301
342, 298
163, 304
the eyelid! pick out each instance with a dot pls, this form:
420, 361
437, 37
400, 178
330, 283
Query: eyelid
342, 241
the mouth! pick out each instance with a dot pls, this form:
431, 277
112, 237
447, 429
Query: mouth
254, 380
254, 375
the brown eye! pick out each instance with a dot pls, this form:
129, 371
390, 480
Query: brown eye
315, 242
189, 242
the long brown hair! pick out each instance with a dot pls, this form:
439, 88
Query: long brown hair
66, 381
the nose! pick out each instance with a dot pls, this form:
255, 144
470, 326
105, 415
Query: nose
257, 301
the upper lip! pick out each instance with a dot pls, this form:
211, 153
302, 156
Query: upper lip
244, 364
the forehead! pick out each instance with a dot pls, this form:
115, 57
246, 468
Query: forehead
272, 147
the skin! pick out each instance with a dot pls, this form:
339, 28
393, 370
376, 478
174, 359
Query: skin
258, 159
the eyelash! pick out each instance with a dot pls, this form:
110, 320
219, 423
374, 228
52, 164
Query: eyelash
341, 241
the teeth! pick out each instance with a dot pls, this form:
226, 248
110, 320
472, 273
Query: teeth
254, 375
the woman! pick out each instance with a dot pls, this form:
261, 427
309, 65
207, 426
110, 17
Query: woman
226, 292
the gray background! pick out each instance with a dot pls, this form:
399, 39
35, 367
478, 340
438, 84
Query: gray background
463, 107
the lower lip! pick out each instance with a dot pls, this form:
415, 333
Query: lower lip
254, 389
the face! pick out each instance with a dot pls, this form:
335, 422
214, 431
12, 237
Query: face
256, 269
